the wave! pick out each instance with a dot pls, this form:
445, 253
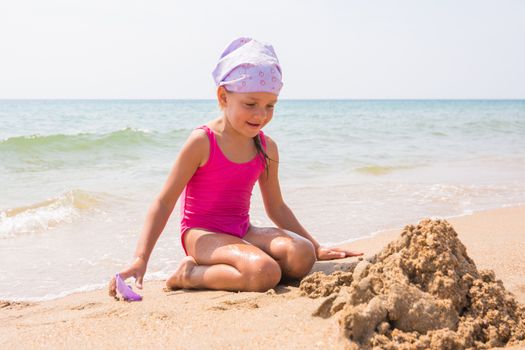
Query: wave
87, 141
42, 216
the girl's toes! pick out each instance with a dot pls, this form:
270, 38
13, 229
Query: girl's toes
179, 278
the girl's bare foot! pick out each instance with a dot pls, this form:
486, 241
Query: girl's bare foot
179, 278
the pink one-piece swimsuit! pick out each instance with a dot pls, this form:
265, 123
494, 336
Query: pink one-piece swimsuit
217, 197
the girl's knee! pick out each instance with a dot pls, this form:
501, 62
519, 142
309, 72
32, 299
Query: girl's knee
300, 258
262, 274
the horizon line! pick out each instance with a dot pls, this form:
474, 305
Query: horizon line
282, 99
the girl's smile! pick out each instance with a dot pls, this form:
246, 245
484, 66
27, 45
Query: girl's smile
247, 113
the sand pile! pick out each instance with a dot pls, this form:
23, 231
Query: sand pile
420, 292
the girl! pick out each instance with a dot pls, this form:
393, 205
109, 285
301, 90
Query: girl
215, 172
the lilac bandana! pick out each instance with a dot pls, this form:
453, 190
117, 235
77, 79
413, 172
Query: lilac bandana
247, 65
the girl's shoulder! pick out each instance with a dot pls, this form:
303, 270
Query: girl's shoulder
267, 137
271, 145
198, 140
199, 135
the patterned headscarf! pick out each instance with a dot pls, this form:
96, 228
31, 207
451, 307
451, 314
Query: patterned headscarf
247, 65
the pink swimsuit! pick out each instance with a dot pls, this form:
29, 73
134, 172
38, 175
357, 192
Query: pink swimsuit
217, 197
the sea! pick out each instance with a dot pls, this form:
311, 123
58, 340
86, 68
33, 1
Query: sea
78, 176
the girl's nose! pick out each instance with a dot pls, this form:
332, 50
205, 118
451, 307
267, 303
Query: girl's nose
261, 112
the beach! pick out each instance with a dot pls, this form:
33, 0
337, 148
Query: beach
81, 175
279, 318
399, 130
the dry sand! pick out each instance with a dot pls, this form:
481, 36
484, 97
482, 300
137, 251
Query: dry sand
280, 318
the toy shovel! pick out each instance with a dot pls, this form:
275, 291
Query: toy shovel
125, 290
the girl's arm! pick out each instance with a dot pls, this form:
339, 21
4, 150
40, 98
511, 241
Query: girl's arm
188, 160
281, 214
190, 157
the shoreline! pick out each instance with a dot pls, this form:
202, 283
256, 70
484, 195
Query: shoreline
280, 317
448, 218
346, 243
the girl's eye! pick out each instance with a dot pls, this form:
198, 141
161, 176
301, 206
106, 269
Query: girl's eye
270, 106
250, 104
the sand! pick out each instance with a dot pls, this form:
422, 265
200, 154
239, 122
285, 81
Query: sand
423, 291
288, 318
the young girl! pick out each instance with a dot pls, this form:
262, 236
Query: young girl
215, 172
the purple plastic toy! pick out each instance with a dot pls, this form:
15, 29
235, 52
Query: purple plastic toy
126, 291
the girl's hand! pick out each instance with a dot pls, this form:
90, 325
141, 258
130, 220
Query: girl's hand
137, 269
334, 253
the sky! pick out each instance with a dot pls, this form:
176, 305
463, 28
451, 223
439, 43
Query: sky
330, 49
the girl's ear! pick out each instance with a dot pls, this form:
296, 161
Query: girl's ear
222, 96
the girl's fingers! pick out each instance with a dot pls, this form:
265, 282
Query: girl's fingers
112, 288
336, 253
350, 253
332, 254
339, 254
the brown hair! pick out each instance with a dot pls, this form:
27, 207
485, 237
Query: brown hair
262, 153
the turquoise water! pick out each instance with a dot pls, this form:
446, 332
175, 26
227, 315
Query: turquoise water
78, 175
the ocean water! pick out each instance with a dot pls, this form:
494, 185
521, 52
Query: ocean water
77, 176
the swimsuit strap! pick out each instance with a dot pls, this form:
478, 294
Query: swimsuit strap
213, 143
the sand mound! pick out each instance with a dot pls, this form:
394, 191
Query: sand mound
420, 292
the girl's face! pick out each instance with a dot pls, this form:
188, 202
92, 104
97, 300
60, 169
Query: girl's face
247, 112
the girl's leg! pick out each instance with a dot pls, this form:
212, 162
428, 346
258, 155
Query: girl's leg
223, 262
294, 253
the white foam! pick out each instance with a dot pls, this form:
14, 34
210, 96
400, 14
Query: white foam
45, 215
